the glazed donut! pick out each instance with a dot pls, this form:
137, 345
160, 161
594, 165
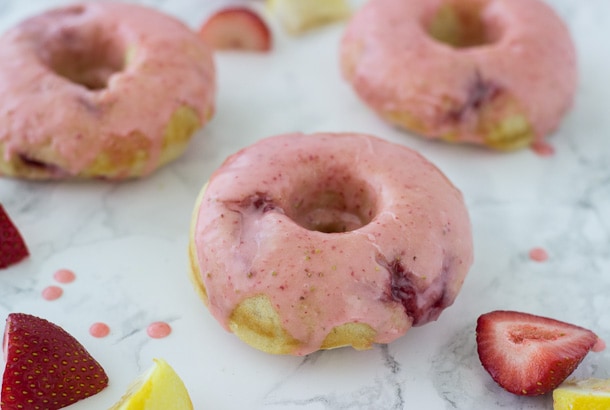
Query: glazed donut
498, 73
307, 242
101, 89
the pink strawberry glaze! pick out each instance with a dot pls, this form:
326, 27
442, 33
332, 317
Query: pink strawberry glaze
64, 276
52, 293
543, 149
386, 36
408, 232
158, 330
99, 330
161, 54
538, 254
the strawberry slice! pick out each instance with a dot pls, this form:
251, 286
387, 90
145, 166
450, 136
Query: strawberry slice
527, 354
12, 245
236, 28
46, 367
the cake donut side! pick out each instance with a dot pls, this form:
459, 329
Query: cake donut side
100, 90
306, 242
497, 73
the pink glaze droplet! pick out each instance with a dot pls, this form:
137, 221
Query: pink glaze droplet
158, 330
99, 329
543, 149
599, 345
52, 292
538, 254
64, 276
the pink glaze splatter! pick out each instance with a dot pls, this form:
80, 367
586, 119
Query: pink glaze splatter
538, 254
52, 292
599, 345
543, 149
64, 276
99, 329
158, 330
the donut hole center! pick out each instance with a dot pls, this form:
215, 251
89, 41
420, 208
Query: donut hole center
461, 24
86, 57
336, 203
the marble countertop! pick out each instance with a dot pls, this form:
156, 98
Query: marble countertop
127, 242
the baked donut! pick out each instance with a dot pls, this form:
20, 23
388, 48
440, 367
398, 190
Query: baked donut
306, 242
100, 89
498, 73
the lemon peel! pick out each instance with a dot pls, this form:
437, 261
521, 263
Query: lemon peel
158, 389
298, 16
587, 394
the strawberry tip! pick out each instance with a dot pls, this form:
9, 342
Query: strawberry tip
12, 246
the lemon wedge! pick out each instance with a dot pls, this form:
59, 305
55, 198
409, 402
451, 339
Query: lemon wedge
159, 389
588, 394
297, 16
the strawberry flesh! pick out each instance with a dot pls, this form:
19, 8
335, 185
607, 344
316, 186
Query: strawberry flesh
530, 355
46, 367
236, 28
12, 246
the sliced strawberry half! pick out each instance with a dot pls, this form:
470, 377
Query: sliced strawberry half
527, 354
12, 245
236, 28
46, 367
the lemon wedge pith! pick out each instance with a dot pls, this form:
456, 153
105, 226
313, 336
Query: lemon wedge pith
159, 389
298, 16
589, 394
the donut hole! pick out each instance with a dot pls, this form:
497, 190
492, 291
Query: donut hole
335, 203
88, 57
461, 24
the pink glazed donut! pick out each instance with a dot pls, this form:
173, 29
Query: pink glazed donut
306, 242
499, 73
100, 89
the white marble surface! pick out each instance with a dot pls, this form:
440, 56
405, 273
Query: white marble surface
127, 242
